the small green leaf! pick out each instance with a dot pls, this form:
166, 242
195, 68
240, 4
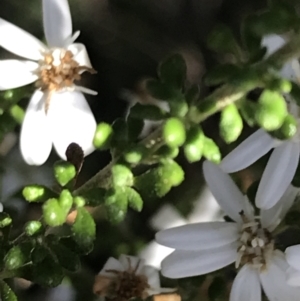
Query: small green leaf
39, 253
64, 172
33, 228
7, 294
15, 258
84, 228
48, 273
5, 220
160, 90
134, 127
79, 201
211, 151
37, 193
221, 74
116, 205
174, 132
248, 110
271, 110
231, 123
221, 39
94, 196
65, 201
134, 199
122, 175
192, 94
172, 71
66, 258
53, 213
149, 112
103, 134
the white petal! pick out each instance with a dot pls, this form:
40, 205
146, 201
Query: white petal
111, 264
71, 120
278, 174
274, 282
20, 42
293, 256
15, 73
132, 263
80, 55
181, 264
271, 218
248, 152
293, 277
273, 43
152, 275
199, 236
246, 285
57, 22
1, 207
35, 138
224, 190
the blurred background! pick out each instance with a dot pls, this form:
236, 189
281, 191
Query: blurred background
125, 39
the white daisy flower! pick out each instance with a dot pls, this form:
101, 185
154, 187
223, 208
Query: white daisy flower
202, 248
58, 112
283, 162
128, 278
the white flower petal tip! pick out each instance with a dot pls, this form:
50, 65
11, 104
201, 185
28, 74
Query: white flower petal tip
20, 42
80, 54
57, 22
227, 194
246, 285
278, 174
293, 277
111, 264
181, 264
1, 207
71, 121
272, 43
35, 138
15, 73
200, 236
293, 256
248, 152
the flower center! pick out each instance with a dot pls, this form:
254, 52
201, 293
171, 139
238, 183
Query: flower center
57, 71
255, 245
123, 287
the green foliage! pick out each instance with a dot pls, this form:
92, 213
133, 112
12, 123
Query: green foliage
64, 172
37, 193
211, 151
6, 292
33, 228
271, 110
158, 181
121, 175
84, 228
231, 123
149, 112
102, 135
193, 147
287, 130
174, 132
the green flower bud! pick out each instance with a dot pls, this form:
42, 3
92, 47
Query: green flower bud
281, 85
231, 123
287, 130
211, 151
194, 144
15, 258
135, 154
248, 110
66, 201
174, 132
17, 113
33, 193
53, 214
102, 135
168, 152
5, 220
79, 201
173, 172
122, 175
178, 108
33, 228
134, 199
64, 172
271, 110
